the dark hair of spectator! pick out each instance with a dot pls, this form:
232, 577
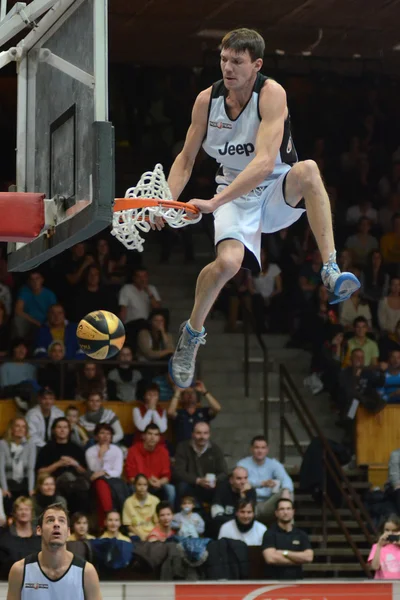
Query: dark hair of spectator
46, 391
56, 422
358, 320
356, 350
87, 386
259, 438
188, 499
151, 427
163, 505
105, 426
283, 500
392, 518
111, 512
71, 407
138, 270
140, 476
156, 313
152, 387
95, 393
368, 272
244, 39
56, 506
77, 516
243, 502
18, 342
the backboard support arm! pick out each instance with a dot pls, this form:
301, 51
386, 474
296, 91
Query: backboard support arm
22, 16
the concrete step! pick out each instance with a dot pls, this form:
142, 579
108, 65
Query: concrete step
322, 552
337, 538
329, 567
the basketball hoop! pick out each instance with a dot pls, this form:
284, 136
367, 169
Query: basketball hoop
149, 199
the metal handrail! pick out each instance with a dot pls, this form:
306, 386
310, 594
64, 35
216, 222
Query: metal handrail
248, 327
288, 390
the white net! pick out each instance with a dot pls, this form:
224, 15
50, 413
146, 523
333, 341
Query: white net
127, 224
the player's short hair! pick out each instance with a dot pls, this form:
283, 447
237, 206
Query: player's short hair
55, 506
244, 39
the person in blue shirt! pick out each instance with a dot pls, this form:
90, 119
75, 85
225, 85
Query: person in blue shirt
269, 478
390, 391
57, 328
33, 303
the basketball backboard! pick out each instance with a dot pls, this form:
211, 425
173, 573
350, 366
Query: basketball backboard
65, 144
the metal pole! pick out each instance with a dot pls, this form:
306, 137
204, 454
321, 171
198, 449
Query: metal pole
3, 9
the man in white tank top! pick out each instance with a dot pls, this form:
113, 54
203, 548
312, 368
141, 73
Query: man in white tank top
54, 573
243, 122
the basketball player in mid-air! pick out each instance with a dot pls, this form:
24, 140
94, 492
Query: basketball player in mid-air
54, 573
243, 122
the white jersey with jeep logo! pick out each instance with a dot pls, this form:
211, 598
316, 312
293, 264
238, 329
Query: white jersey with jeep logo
37, 586
232, 141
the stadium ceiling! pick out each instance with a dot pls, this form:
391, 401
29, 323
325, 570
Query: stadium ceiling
185, 31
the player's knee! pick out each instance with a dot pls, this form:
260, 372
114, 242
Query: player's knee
228, 266
307, 173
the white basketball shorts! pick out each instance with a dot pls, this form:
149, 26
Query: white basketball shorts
263, 210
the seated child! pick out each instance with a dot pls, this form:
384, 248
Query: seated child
188, 523
79, 528
139, 512
112, 527
163, 530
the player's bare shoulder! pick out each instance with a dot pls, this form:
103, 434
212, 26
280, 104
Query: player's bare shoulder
202, 102
15, 579
91, 583
272, 95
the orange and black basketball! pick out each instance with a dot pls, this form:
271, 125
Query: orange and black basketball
100, 334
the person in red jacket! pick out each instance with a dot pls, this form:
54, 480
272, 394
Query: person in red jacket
150, 458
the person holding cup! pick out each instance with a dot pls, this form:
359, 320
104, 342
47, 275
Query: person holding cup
199, 466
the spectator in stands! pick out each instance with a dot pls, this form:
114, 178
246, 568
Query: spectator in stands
90, 295
66, 462
310, 275
163, 530
227, 495
390, 246
269, 478
5, 299
45, 494
387, 212
150, 411
150, 457
80, 528
363, 342
285, 548
389, 343
32, 306
390, 391
384, 557
78, 433
113, 527
188, 523
244, 526
390, 183
15, 371
165, 385
76, 264
136, 301
107, 266
374, 283
154, 342
362, 210
139, 513
105, 460
352, 309
40, 418
394, 478
362, 242
20, 538
5, 333
266, 290
190, 411
199, 465
56, 375
17, 463
96, 413
389, 308
57, 328
90, 379
122, 382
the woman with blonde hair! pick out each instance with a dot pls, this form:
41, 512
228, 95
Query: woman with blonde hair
17, 462
45, 494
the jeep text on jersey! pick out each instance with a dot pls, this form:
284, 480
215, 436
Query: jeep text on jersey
231, 149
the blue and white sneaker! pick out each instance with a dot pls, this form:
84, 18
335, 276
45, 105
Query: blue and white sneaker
339, 285
183, 362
